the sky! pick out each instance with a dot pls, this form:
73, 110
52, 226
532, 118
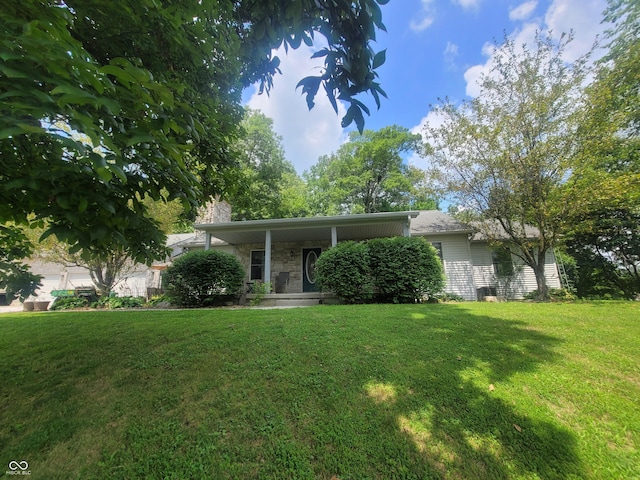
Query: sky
435, 49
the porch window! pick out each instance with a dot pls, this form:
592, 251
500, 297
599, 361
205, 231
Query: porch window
257, 265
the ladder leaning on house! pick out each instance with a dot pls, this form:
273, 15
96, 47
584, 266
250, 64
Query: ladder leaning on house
562, 273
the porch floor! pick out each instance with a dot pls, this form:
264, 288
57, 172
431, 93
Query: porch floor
292, 299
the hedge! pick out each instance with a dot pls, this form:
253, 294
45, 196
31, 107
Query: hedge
386, 270
203, 278
345, 270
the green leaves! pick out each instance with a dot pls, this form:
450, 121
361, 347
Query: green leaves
367, 174
388, 270
105, 104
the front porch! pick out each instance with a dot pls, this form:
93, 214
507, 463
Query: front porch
282, 252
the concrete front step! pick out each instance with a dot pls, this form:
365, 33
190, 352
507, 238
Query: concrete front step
293, 299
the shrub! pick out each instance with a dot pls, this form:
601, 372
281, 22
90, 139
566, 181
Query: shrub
203, 278
113, 302
449, 297
555, 294
69, 303
345, 270
405, 269
159, 301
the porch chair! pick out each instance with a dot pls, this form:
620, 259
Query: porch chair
282, 282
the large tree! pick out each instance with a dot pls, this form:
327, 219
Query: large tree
504, 154
603, 223
105, 103
267, 182
369, 174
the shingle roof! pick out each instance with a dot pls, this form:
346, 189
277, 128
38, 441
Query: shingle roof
437, 222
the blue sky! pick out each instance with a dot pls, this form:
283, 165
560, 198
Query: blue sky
435, 49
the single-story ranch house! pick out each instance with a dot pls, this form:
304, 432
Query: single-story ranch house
283, 252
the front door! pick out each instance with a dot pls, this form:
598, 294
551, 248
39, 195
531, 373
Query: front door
309, 258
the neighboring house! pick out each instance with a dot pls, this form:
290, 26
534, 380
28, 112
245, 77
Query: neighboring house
137, 283
283, 252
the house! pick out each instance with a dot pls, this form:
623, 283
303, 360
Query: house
283, 251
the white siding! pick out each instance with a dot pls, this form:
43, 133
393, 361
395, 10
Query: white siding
458, 268
523, 282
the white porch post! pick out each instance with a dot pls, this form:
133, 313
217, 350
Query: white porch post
407, 227
267, 256
334, 236
207, 241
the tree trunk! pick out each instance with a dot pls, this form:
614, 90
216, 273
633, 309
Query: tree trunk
543, 290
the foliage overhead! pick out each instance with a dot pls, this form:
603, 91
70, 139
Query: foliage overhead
505, 154
369, 174
107, 103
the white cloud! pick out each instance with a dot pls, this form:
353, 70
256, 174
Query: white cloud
523, 11
581, 16
450, 54
424, 18
307, 134
467, 4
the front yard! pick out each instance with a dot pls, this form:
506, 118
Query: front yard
454, 391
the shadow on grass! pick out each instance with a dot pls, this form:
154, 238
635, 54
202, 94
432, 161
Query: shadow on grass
438, 380
449, 399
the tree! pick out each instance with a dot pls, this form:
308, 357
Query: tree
15, 278
267, 181
368, 174
603, 223
107, 103
505, 154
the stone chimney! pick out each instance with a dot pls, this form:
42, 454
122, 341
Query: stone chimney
215, 211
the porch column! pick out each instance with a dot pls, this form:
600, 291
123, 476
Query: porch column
267, 256
207, 241
407, 227
334, 236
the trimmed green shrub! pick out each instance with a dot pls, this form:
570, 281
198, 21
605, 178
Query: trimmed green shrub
345, 270
203, 278
404, 269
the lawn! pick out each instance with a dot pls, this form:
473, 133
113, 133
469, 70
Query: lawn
452, 391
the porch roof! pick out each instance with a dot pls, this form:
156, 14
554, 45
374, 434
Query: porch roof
348, 227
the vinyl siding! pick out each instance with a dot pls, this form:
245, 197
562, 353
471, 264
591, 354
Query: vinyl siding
458, 268
524, 281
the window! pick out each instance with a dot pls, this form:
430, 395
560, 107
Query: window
257, 265
438, 247
502, 263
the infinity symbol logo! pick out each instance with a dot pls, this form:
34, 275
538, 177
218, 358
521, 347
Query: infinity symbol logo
13, 465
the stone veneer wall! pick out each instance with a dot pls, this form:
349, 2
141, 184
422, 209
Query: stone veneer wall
281, 260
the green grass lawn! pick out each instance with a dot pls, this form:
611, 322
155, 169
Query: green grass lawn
455, 391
